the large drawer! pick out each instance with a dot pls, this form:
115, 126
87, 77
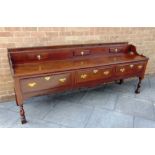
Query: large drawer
131, 68
45, 82
93, 74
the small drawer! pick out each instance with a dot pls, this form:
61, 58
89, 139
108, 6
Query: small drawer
37, 56
45, 82
116, 50
93, 74
131, 68
82, 52
125, 69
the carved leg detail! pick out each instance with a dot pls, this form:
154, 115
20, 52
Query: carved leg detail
22, 115
137, 91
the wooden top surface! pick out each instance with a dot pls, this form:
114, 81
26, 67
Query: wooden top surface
72, 64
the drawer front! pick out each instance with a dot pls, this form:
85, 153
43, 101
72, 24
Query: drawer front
36, 56
82, 52
87, 75
115, 50
131, 68
140, 67
41, 55
46, 82
118, 49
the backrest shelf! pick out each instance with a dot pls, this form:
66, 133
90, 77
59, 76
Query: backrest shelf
29, 55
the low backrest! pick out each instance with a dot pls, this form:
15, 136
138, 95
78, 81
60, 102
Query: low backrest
48, 53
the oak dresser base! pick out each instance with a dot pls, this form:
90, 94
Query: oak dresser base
52, 69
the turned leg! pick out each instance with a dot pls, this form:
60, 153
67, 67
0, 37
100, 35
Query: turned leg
22, 114
120, 81
137, 91
16, 100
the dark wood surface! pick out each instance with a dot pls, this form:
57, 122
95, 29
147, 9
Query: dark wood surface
72, 64
43, 70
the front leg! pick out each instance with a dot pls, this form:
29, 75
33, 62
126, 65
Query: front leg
120, 81
137, 91
22, 115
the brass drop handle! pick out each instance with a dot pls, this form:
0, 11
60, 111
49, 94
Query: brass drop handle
106, 72
62, 80
32, 84
122, 70
47, 78
83, 76
82, 53
131, 53
131, 66
116, 50
140, 67
38, 57
95, 71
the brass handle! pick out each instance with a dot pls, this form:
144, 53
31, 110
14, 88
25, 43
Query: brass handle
82, 53
116, 50
62, 80
122, 69
47, 78
131, 66
32, 84
140, 67
95, 71
106, 72
131, 53
38, 57
83, 76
